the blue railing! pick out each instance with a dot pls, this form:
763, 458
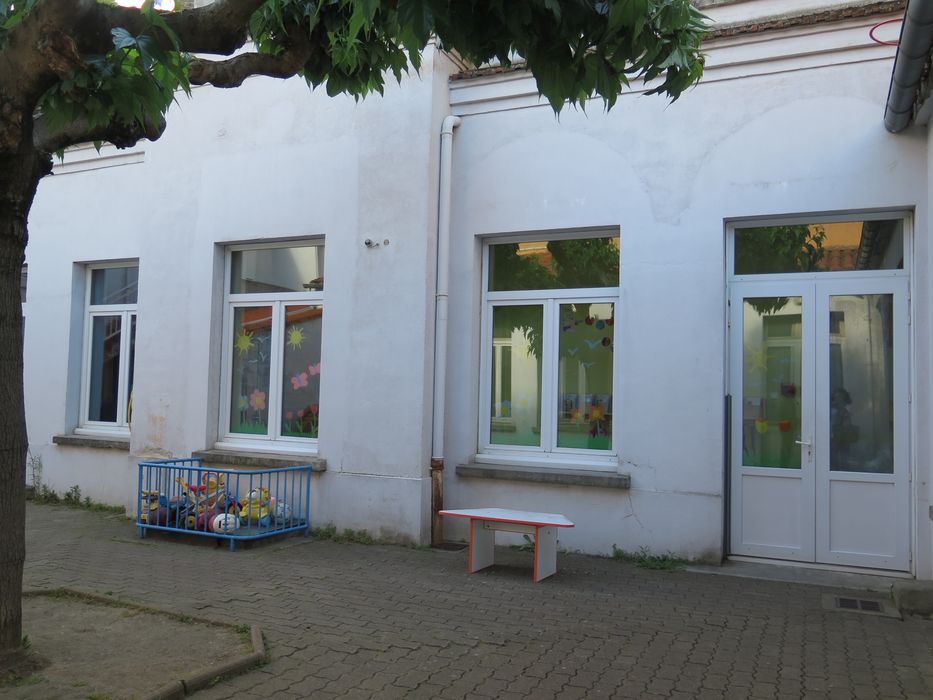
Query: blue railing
182, 495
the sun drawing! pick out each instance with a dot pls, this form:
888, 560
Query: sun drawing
295, 337
244, 342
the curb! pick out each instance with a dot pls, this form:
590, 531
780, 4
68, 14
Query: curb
195, 680
913, 597
208, 675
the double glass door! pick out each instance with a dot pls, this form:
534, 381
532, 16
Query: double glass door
819, 434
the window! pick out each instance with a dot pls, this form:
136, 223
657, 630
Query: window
109, 348
549, 342
272, 344
831, 246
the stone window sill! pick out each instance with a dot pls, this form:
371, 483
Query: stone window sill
258, 460
98, 441
545, 475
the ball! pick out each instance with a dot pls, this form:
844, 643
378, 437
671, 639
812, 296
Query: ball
225, 523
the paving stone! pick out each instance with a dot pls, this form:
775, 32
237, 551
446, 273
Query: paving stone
354, 621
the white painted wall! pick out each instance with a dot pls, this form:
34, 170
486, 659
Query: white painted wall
268, 161
752, 140
784, 123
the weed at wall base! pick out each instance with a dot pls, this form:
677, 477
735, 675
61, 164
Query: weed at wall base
644, 559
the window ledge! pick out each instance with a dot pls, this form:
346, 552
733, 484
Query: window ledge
546, 475
98, 441
259, 460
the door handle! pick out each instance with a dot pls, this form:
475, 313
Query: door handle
803, 442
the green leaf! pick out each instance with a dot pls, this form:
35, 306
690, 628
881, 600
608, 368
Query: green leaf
122, 39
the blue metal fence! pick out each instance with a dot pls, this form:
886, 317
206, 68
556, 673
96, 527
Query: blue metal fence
182, 495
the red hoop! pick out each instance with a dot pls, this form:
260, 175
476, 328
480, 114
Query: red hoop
871, 32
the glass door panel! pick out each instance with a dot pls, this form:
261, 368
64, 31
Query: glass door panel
861, 383
771, 382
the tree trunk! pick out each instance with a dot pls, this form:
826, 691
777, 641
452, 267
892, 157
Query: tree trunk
19, 176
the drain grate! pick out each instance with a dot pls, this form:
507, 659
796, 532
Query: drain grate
870, 606
856, 604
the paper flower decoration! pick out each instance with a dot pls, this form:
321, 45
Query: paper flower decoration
257, 400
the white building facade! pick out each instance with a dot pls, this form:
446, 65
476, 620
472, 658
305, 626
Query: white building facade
699, 327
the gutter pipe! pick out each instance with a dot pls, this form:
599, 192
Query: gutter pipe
913, 51
440, 327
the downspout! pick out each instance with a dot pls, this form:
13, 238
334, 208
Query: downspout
913, 51
440, 327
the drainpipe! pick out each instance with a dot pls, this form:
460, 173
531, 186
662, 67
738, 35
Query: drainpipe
913, 50
440, 328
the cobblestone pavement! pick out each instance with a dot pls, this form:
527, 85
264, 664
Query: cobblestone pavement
355, 621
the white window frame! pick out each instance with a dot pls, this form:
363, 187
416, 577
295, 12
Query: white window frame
273, 441
547, 453
128, 314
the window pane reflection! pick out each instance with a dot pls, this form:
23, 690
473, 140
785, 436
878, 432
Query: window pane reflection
114, 285
104, 387
833, 247
516, 375
301, 374
268, 270
576, 263
584, 393
861, 383
771, 388
249, 396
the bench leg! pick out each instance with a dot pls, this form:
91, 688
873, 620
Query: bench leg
482, 545
545, 552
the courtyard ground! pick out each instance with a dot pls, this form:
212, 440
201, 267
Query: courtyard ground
374, 621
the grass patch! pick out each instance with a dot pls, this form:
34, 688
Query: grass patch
47, 496
527, 546
644, 559
330, 532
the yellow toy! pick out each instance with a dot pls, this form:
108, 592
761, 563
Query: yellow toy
255, 510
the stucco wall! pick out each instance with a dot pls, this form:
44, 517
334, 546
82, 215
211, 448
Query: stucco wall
268, 161
669, 176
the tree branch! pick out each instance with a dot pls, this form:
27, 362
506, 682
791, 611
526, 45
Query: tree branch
28, 68
233, 71
120, 134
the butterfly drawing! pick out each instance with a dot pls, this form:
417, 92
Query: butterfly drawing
572, 351
300, 380
314, 370
591, 344
587, 365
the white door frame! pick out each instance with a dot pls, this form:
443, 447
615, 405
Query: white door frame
790, 533
762, 525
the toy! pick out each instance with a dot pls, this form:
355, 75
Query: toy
255, 510
225, 523
282, 513
154, 508
205, 501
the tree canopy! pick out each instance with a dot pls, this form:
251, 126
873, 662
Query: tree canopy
78, 71
94, 69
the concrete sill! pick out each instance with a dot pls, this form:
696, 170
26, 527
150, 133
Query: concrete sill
258, 460
546, 475
100, 442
